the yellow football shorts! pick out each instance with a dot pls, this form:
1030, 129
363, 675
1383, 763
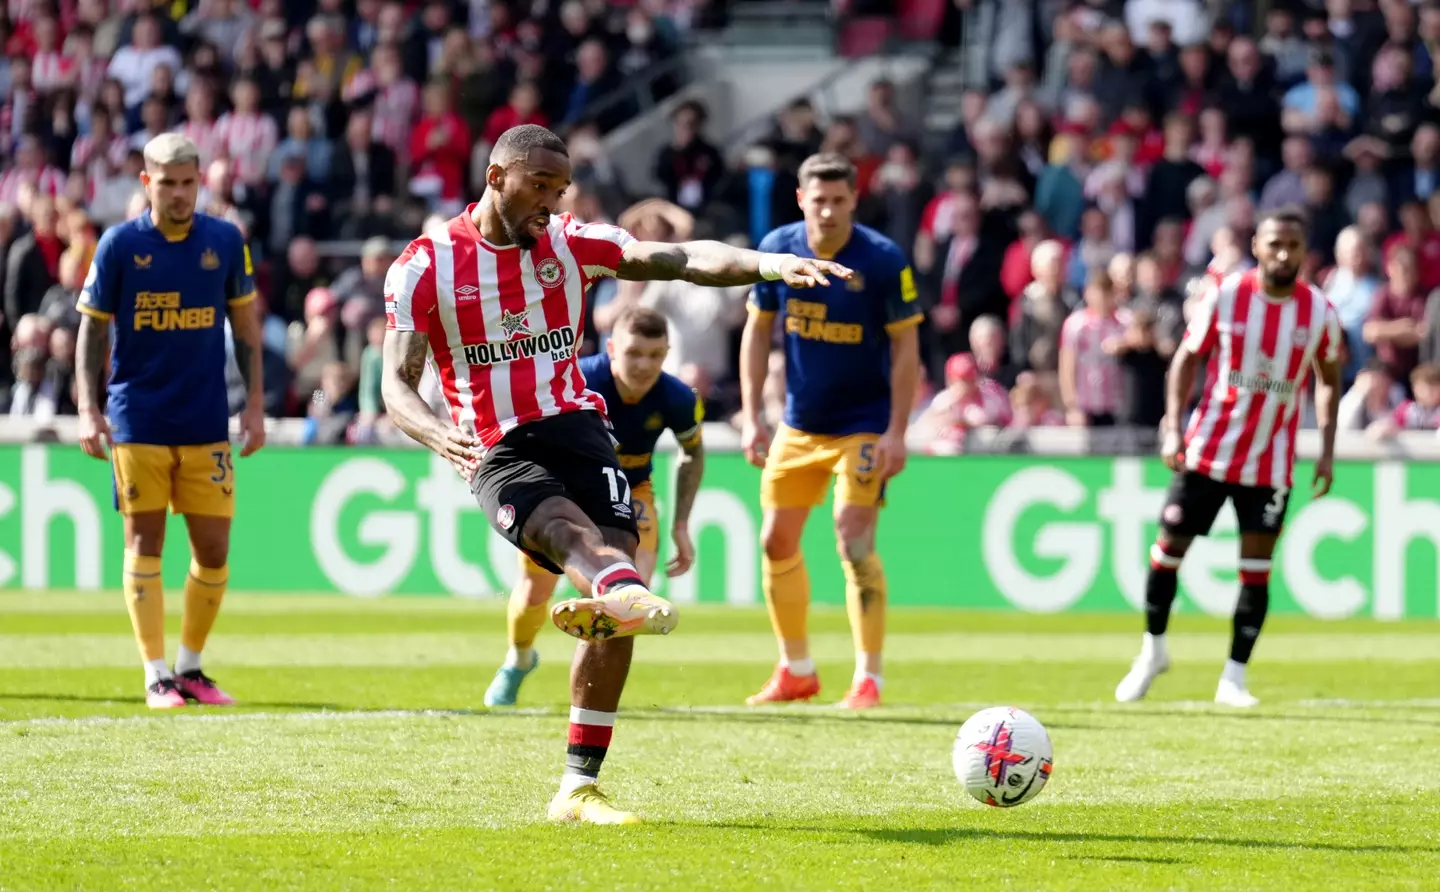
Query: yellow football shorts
642, 503
187, 479
800, 466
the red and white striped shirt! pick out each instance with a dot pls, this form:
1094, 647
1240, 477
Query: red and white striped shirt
1411, 416
86, 151
47, 181
49, 71
1261, 349
1099, 385
206, 137
247, 140
504, 323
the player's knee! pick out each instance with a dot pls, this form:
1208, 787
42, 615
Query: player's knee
558, 537
210, 552
1168, 551
779, 543
855, 534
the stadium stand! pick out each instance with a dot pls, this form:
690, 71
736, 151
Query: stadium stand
1058, 157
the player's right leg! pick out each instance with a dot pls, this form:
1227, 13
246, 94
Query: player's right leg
526, 615
1191, 506
796, 473
143, 490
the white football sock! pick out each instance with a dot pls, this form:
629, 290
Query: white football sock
520, 658
155, 670
875, 677
801, 667
570, 782
187, 660
1234, 673
1152, 648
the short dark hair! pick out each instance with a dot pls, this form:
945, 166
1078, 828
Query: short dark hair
828, 167
643, 321
1287, 215
517, 142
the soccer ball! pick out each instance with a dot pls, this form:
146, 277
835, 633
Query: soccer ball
1003, 756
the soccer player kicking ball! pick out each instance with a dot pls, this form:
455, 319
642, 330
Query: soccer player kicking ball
498, 297
165, 283
851, 363
1262, 332
642, 402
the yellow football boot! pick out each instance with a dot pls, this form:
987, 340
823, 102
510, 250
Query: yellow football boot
588, 805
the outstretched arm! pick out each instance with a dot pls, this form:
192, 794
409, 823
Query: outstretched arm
719, 264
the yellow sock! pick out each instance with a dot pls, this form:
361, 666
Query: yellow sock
525, 622
145, 596
204, 590
787, 594
865, 602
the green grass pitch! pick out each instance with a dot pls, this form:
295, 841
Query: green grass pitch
363, 760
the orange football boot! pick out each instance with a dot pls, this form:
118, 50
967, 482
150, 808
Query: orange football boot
783, 687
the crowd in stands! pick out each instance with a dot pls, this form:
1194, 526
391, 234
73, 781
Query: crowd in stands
1111, 156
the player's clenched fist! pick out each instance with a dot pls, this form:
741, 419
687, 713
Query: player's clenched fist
94, 434
807, 272
755, 441
1172, 450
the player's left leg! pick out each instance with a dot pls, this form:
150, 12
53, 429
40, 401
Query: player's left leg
1260, 513
205, 494
859, 493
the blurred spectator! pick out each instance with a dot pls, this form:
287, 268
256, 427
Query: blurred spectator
1143, 362
30, 171
1016, 268
1370, 402
1090, 381
1421, 413
1287, 188
1161, 301
1351, 288
439, 151
297, 276
987, 345
970, 400
1396, 324
899, 195
297, 205
246, 135
797, 136
360, 291
314, 344
1320, 101
59, 306
368, 400
33, 262
1093, 252
301, 140
1418, 234
595, 79
1166, 191
134, 65
882, 124
690, 167
363, 177
522, 108
333, 406
966, 278
1042, 311
1032, 406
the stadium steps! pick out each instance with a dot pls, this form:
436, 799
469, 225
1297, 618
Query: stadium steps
801, 25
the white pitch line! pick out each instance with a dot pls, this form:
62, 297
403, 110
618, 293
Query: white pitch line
345, 715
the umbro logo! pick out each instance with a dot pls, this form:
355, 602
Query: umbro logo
466, 292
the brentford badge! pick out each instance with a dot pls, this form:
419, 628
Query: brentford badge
550, 273
505, 516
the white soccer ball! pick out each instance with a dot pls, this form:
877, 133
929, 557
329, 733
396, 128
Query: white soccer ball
1002, 756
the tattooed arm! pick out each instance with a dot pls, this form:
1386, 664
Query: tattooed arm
92, 349
403, 358
719, 264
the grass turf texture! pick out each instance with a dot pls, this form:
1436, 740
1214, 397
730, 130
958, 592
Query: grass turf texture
362, 758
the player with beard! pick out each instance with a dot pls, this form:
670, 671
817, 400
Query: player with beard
1262, 332
497, 295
